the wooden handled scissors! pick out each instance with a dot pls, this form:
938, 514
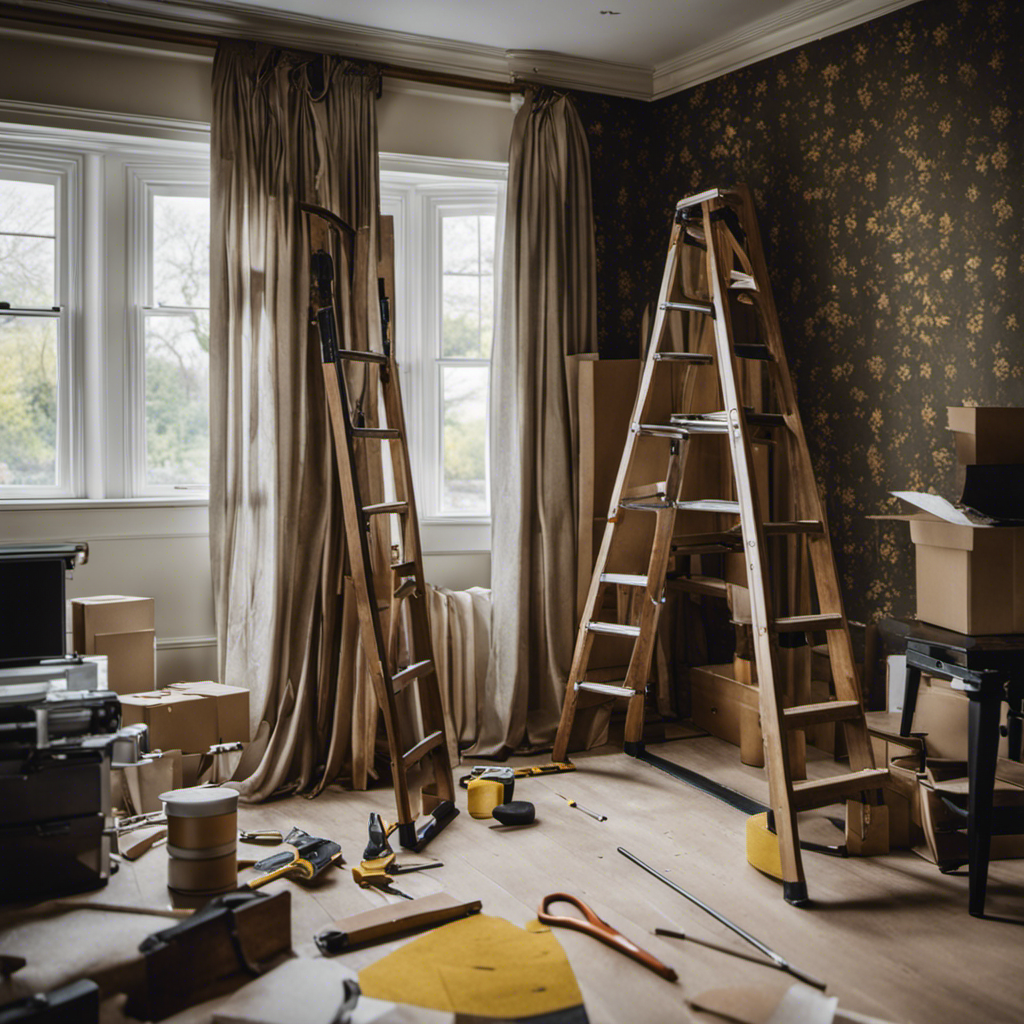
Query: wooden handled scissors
591, 924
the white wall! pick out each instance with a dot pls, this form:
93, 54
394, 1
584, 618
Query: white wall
133, 88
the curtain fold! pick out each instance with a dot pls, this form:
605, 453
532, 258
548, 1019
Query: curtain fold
286, 127
548, 312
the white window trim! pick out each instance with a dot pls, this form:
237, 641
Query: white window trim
34, 163
408, 192
97, 290
144, 181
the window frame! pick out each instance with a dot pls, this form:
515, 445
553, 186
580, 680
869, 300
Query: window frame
145, 182
419, 192
99, 346
23, 162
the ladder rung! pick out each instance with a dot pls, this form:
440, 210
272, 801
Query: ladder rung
807, 623
424, 747
822, 792
660, 430
703, 197
613, 628
406, 589
377, 433
624, 579
718, 423
403, 568
731, 508
384, 508
691, 306
796, 526
647, 506
740, 282
607, 689
417, 670
699, 358
706, 585
699, 424
753, 352
359, 356
802, 715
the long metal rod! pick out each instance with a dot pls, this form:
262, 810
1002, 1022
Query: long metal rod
777, 958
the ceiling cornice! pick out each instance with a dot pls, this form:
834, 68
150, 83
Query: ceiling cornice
798, 24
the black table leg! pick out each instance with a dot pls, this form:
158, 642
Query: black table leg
910, 698
982, 745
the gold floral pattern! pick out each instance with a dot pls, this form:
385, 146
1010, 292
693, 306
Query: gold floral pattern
885, 163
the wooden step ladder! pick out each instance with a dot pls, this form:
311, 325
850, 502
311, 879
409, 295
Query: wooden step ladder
417, 679
721, 226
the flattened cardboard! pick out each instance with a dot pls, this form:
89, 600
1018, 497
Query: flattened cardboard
993, 435
232, 707
177, 721
131, 662
107, 613
969, 578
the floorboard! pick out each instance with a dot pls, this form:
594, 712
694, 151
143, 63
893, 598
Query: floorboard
890, 935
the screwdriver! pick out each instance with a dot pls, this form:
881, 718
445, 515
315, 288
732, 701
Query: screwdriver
585, 810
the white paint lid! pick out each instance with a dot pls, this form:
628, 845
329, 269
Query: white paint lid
200, 801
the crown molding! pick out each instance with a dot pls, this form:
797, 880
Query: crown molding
799, 23
796, 25
541, 66
38, 117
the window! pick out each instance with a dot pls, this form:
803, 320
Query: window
448, 221
172, 335
35, 349
104, 319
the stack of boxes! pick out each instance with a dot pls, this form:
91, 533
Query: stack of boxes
970, 579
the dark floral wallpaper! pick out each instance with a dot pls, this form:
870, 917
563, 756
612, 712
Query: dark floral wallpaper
886, 166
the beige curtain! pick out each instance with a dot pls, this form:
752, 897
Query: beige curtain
548, 312
286, 127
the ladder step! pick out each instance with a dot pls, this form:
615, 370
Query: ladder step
802, 715
703, 197
385, 507
822, 792
406, 589
691, 306
661, 430
718, 422
796, 526
753, 352
377, 433
731, 508
807, 623
708, 586
647, 506
607, 690
613, 628
424, 747
624, 579
417, 670
698, 358
358, 356
403, 568
740, 282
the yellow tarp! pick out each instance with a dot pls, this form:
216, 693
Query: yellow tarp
481, 966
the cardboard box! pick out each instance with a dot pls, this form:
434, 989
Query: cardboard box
969, 578
122, 628
232, 707
987, 436
176, 721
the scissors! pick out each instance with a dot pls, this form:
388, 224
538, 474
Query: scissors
591, 924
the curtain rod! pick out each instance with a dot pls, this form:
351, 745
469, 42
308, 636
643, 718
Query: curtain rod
88, 23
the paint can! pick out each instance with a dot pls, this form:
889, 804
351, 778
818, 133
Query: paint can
202, 840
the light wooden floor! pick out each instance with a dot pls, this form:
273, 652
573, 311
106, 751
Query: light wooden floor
891, 935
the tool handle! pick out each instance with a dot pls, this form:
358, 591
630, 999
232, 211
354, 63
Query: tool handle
600, 929
258, 883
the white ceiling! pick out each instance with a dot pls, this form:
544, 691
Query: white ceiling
642, 32
649, 49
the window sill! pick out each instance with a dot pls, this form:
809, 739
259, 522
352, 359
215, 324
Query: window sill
151, 501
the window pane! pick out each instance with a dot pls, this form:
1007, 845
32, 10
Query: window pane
27, 246
28, 401
467, 289
177, 399
181, 251
464, 474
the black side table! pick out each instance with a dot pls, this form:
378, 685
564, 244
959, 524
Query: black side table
990, 670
